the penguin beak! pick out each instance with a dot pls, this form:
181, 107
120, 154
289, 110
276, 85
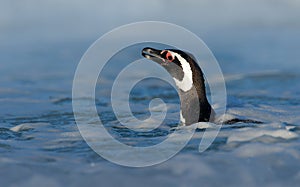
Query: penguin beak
154, 55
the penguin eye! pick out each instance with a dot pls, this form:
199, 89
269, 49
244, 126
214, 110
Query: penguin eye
169, 57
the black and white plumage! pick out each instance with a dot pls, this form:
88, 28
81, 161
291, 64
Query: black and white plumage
189, 80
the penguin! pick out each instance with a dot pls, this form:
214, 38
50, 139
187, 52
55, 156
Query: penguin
189, 80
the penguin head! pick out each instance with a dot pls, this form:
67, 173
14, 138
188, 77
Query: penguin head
181, 65
167, 57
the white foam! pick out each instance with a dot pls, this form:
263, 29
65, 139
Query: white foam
247, 134
27, 126
205, 125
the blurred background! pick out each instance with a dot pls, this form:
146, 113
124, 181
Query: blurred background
46, 39
41, 43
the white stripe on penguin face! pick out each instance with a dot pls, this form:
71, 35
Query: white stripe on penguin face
187, 82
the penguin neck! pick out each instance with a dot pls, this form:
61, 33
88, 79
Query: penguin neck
191, 85
194, 104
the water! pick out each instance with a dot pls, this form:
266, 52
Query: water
41, 145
